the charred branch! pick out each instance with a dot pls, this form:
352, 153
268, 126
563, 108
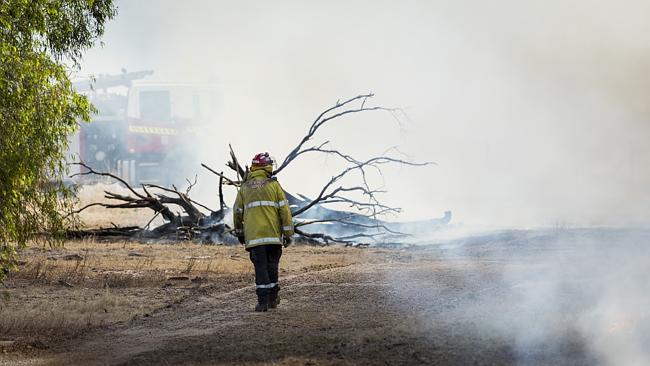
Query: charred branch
369, 205
338, 110
128, 231
373, 206
327, 239
222, 176
182, 200
192, 220
222, 203
234, 165
343, 221
139, 201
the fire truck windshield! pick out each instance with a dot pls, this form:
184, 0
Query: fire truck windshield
155, 106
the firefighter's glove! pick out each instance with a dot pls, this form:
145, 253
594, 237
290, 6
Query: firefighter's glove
241, 240
287, 241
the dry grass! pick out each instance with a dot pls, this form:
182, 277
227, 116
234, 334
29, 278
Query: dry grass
150, 264
110, 264
63, 291
51, 317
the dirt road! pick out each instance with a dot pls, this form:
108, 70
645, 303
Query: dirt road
437, 305
347, 315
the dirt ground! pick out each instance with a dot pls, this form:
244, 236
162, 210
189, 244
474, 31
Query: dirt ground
445, 304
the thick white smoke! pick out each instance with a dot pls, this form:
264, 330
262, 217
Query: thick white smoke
562, 296
535, 112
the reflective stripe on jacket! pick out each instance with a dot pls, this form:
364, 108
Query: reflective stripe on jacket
261, 210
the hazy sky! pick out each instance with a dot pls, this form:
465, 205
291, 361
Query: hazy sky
536, 111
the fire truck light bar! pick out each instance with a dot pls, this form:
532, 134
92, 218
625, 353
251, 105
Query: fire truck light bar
153, 130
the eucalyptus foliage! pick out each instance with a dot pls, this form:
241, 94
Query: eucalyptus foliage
41, 43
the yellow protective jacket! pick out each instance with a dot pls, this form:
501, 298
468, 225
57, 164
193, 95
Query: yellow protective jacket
261, 210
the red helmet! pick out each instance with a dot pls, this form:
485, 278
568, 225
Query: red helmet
262, 159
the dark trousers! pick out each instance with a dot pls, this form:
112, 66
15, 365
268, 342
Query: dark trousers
266, 259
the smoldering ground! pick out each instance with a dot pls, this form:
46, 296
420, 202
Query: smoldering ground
561, 296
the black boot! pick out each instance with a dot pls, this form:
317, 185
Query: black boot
274, 297
262, 301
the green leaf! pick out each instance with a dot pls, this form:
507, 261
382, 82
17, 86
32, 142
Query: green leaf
38, 110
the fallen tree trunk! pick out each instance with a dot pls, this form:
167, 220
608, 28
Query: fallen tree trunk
191, 224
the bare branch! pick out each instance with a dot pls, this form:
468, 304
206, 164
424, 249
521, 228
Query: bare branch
191, 184
222, 204
228, 180
146, 227
355, 236
151, 185
348, 223
103, 174
321, 120
358, 165
324, 237
85, 207
234, 165
305, 223
182, 201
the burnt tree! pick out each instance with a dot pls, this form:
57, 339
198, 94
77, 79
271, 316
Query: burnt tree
363, 221
360, 222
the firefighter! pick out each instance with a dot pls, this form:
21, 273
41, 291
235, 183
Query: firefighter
263, 224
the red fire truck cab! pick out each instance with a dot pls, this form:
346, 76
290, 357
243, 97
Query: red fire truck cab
144, 131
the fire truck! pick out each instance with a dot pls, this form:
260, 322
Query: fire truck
144, 130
